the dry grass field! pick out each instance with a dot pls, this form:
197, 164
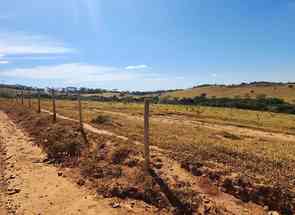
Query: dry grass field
216, 133
251, 149
286, 92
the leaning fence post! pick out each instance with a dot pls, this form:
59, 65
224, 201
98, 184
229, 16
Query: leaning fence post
16, 97
80, 110
29, 99
22, 97
146, 135
39, 102
53, 106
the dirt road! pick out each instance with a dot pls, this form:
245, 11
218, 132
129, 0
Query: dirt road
234, 129
34, 187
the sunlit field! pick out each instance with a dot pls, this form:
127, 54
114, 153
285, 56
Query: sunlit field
258, 147
285, 91
209, 135
275, 122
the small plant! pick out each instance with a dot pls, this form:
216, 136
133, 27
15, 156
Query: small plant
258, 116
102, 119
198, 110
120, 155
247, 95
60, 151
204, 95
261, 96
230, 136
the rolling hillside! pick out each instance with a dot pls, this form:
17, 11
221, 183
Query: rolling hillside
283, 91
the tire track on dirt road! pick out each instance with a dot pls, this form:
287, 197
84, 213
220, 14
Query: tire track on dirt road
35, 187
234, 129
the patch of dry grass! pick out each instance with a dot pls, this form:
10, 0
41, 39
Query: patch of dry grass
284, 92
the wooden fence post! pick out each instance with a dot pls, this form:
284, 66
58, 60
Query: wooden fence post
22, 97
80, 110
53, 106
29, 99
16, 97
39, 102
146, 136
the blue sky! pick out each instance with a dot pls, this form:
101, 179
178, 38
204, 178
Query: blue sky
146, 44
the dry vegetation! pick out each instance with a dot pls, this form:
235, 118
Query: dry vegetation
286, 92
256, 164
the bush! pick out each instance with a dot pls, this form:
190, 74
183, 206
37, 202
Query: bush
120, 155
204, 95
60, 151
102, 119
261, 96
89, 168
261, 103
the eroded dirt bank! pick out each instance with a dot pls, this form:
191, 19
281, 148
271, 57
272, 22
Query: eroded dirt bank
34, 187
2, 181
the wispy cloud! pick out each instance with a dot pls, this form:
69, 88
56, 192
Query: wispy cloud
141, 66
15, 43
77, 73
37, 57
4, 62
214, 75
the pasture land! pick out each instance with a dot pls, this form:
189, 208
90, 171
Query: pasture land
251, 149
285, 91
228, 136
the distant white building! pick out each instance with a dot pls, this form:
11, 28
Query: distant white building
47, 90
71, 89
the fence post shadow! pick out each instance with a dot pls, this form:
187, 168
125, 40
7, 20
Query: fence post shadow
173, 199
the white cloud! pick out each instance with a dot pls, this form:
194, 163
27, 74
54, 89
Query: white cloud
76, 73
38, 57
82, 74
214, 75
4, 62
142, 66
28, 44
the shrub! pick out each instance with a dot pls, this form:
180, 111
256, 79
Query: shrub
102, 119
261, 96
230, 136
60, 151
89, 168
204, 95
247, 95
120, 155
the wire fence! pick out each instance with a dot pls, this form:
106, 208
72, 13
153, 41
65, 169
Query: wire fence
24, 98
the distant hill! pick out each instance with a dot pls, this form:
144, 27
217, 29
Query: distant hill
284, 91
